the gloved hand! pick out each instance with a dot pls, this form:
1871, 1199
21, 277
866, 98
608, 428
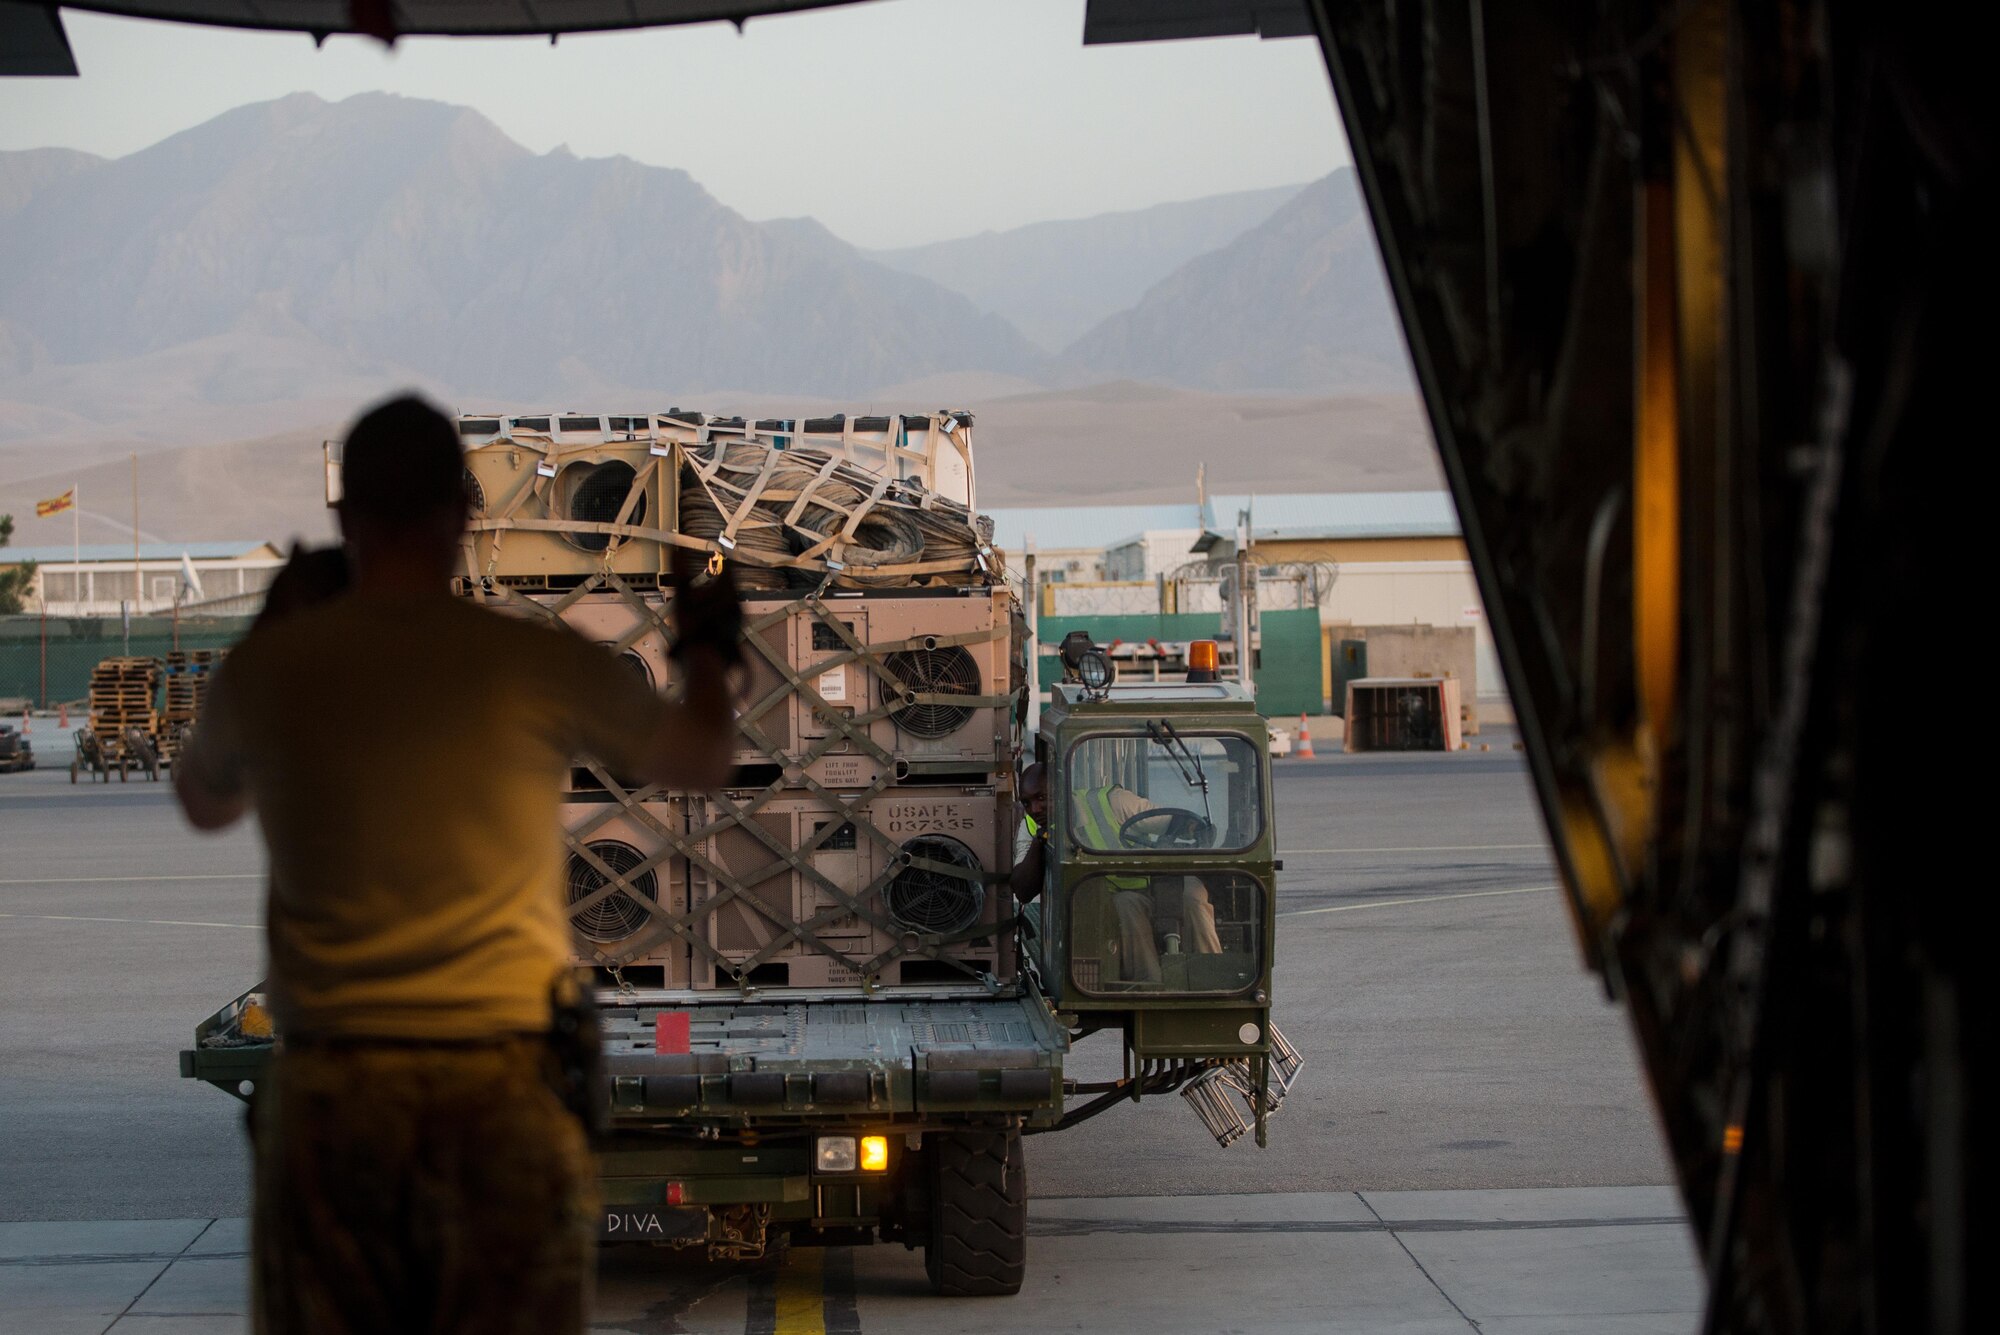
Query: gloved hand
707, 612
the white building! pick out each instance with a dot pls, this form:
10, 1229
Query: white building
1074, 543
1150, 554
99, 579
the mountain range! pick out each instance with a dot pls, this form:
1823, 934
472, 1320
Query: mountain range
1299, 302
1054, 281
257, 277
390, 236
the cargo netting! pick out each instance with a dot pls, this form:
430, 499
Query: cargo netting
837, 502
867, 836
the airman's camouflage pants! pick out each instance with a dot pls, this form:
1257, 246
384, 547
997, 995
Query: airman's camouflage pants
420, 1188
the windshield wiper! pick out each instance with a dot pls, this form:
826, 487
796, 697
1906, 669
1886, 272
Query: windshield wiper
1163, 733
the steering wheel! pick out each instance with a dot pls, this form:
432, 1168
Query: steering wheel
1178, 828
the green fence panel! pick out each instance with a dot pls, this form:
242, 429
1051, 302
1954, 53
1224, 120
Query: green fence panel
49, 661
1288, 668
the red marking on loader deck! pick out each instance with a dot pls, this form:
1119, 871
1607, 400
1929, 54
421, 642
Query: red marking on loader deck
671, 1031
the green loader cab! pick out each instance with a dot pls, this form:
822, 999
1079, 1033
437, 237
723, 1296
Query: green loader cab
1156, 916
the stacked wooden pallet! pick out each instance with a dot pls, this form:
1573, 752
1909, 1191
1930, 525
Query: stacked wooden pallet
124, 693
187, 676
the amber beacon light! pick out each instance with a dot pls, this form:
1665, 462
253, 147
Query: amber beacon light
1203, 661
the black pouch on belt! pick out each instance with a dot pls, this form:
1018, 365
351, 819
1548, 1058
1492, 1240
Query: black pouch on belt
577, 1044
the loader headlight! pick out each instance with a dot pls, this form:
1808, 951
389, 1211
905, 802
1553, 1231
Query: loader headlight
849, 1154
1094, 669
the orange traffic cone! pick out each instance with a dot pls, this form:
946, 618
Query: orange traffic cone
62, 717
1304, 750
26, 727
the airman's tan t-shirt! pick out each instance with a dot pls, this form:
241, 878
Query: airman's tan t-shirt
404, 756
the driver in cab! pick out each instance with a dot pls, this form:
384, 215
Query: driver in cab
1154, 913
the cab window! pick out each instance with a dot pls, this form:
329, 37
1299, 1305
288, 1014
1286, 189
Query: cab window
1164, 791
1160, 935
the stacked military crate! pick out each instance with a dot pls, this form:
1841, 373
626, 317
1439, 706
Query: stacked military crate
865, 838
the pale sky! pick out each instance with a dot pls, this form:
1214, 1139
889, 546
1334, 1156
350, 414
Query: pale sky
893, 123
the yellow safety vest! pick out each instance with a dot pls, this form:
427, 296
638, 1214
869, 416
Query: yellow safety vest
1100, 827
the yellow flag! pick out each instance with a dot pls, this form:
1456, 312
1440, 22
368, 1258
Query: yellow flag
56, 505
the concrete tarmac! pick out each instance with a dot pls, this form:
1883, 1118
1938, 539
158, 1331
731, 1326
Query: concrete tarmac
1426, 966
1604, 1261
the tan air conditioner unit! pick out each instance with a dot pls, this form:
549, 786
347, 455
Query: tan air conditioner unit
637, 636
622, 879
554, 505
776, 721
632, 628
636, 628
906, 661
919, 655
920, 864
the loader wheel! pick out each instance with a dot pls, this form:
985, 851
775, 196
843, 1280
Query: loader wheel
979, 1215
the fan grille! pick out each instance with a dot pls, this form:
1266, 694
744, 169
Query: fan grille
947, 671
633, 660
475, 492
617, 915
597, 493
923, 900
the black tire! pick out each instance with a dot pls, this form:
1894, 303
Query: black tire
979, 1215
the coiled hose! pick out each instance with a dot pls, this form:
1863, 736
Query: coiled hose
893, 530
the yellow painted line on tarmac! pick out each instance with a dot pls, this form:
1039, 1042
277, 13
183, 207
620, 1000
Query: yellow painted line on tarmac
1422, 848
802, 1294
132, 880
137, 922
1421, 899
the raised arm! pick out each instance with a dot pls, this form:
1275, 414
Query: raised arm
695, 742
1032, 864
208, 772
1029, 869
686, 743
